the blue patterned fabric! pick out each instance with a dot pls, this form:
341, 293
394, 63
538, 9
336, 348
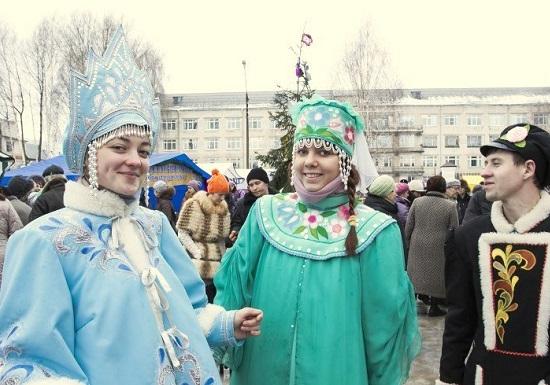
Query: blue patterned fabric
72, 306
114, 92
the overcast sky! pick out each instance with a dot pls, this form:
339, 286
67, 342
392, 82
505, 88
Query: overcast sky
432, 43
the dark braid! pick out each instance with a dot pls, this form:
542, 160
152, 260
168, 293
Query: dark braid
351, 239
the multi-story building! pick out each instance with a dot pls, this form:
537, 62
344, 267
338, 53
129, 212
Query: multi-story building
10, 143
409, 138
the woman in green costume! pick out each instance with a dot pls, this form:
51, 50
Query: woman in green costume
326, 270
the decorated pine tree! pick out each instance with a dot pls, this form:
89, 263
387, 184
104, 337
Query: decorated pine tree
281, 158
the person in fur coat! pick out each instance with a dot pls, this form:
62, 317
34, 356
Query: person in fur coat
203, 225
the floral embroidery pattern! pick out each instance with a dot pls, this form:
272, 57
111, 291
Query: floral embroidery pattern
301, 220
506, 263
17, 374
89, 241
189, 364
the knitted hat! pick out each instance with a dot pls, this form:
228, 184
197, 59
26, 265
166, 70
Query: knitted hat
530, 142
416, 185
53, 170
19, 186
218, 183
401, 188
259, 174
160, 186
453, 183
382, 186
194, 184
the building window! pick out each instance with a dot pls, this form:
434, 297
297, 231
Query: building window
540, 119
274, 124
233, 123
493, 137
384, 141
9, 145
406, 161
451, 140
383, 161
452, 159
429, 120
474, 120
450, 120
474, 161
255, 122
473, 140
496, 120
212, 143
190, 144
406, 141
190, 124
233, 143
429, 161
213, 124
429, 141
276, 143
169, 145
406, 120
169, 124
236, 162
256, 143
518, 118
380, 122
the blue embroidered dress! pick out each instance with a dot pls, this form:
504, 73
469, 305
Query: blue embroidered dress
78, 306
328, 318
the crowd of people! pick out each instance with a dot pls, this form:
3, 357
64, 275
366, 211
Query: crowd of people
322, 285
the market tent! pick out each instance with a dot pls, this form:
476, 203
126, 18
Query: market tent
176, 169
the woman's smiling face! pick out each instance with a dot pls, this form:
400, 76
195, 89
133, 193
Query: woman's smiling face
316, 167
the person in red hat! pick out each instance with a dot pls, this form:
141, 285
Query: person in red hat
498, 271
202, 227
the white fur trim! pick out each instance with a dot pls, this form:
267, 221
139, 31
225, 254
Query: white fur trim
485, 266
542, 382
537, 214
207, 316
55, 381
498, 219
479, 375
108, 204
439, 382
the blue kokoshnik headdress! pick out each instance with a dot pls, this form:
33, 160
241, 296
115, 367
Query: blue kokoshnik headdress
113, 95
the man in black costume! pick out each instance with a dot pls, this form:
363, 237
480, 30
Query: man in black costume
498, 271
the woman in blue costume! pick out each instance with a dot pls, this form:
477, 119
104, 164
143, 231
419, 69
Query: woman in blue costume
326, 270
101, 292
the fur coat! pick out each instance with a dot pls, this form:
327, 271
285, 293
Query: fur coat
202, 228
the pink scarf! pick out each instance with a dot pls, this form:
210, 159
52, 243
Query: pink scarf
333, 187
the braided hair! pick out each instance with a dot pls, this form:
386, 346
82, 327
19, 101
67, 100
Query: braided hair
351, 239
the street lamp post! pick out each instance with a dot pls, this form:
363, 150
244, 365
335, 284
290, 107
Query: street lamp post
246, 113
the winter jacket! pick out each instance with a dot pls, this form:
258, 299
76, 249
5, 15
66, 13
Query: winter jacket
461, 205
384, 206
22, 209
165, 205
478, 205
50, 199
202, 228
9, 223
242, 208
403, 206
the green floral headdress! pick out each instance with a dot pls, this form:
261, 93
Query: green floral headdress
329, 120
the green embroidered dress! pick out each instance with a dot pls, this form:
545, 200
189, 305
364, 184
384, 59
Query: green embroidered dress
328, 318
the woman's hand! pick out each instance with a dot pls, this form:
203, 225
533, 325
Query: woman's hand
247, 322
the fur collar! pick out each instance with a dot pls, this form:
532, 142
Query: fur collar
207, 206
106, 204
524, 224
